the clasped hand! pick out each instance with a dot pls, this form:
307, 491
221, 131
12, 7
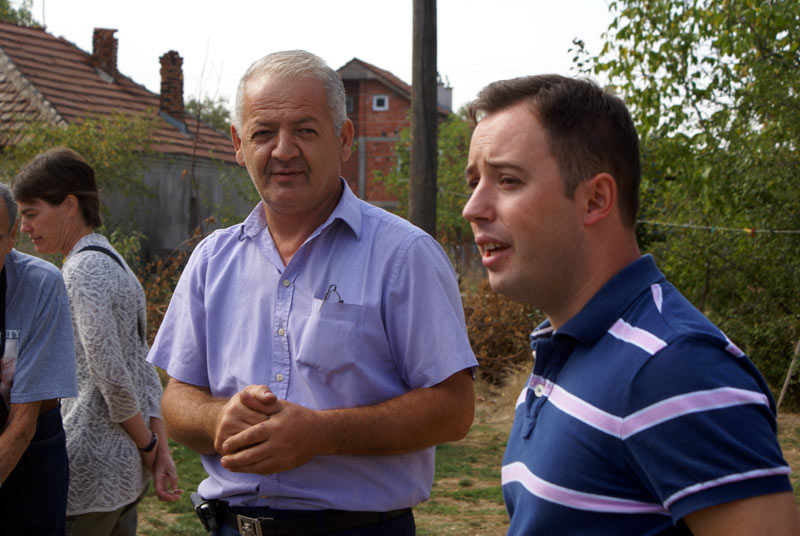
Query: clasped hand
259, 433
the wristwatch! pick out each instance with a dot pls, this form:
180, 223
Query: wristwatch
150, 446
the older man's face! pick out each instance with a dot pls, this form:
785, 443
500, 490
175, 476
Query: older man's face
289, 146
7, 237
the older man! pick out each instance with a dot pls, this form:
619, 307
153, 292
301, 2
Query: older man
37, 358
640, 416
317, 352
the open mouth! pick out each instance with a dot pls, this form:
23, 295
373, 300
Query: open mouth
491, 248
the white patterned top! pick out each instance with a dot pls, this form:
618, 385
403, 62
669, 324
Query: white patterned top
114, 380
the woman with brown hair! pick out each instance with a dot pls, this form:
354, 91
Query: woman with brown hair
115, 436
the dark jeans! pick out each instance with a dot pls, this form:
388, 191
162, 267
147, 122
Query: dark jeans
399, 526
33, 499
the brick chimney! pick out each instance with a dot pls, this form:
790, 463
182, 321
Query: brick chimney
104, 51
171, 101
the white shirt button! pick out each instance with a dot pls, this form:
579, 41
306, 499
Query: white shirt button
538, 390
286, 283
281, 332
279, 377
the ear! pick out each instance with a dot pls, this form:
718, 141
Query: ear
599, 198
71, 205
347, 135
237, 145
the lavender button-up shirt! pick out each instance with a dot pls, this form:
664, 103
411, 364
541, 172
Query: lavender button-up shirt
394, 323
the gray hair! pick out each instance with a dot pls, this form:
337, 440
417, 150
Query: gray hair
11, 205
296, 64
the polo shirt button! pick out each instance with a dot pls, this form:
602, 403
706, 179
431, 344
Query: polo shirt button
286, 283
281, 332
279, 377
538, 390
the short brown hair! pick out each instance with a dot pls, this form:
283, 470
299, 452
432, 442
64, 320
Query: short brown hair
589, 130
53, 175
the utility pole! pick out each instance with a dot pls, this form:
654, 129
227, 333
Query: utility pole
424, 119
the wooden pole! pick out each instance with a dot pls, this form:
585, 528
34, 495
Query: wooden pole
424, 124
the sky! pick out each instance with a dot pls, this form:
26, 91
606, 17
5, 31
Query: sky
479, 41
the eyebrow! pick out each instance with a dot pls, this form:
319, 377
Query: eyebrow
497, 164
268, 122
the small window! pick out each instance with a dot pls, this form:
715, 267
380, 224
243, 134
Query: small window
348, 102
380, 103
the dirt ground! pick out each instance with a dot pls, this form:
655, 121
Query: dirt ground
484, 446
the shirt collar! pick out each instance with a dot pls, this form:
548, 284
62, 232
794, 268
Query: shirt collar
347, 210
608, 304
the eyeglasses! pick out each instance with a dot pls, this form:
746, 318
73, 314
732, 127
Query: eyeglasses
332, 290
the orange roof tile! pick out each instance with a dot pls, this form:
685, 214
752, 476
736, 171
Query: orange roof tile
45, 77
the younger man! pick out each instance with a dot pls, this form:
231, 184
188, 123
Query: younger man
640, 416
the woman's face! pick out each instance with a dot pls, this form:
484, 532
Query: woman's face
46, 224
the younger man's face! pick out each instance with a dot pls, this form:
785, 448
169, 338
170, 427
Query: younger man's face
527, 230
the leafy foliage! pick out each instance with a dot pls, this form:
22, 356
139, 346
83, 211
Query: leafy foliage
113, 145
127, 244
714, 88
159, 279
454, 136
215, 112
498, 331
21, 15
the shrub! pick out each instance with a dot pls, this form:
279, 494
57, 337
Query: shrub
498, 331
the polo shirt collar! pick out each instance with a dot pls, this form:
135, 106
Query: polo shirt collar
347, 210
608, 304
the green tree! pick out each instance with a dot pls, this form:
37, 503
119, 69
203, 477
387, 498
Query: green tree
714, 88
21, 15
215, 112
452, 192
114, 145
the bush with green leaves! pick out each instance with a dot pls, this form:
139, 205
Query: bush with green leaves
714, 89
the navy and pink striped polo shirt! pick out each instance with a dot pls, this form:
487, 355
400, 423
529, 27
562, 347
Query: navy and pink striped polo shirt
638, 411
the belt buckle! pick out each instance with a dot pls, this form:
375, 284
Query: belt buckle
249, 526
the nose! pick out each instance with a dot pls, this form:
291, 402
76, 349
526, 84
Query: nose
25, 227
285, 146
479, 206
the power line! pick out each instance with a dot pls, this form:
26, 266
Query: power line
715, 228
712, 228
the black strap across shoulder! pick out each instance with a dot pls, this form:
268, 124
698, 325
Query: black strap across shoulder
107, 251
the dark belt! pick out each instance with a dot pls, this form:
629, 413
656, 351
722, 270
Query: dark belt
316, 522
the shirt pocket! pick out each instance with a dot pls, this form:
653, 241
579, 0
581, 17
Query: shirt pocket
332, 338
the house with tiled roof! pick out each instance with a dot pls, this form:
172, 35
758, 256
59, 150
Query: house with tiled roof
46, 78
378, 103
